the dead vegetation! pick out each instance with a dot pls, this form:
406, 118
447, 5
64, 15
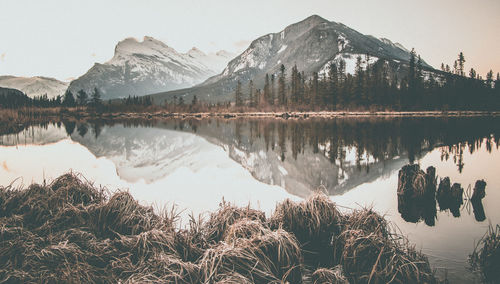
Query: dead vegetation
486, 256
69, 231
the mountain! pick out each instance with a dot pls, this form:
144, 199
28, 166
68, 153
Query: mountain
310, 44
35, 86
139, 68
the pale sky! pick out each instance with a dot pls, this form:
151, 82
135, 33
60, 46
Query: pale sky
64, 38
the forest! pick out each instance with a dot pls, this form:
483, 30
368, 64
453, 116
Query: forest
375, 86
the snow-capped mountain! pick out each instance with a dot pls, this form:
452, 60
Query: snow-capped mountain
215, 61
35, 86
310, 44
144, 67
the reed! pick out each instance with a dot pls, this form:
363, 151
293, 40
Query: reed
486, 255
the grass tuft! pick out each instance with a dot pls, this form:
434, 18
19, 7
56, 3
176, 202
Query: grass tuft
69, 231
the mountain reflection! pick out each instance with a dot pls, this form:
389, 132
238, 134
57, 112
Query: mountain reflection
302, 155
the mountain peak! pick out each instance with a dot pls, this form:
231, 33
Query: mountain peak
310, 21
148, 46
148, 66
195, 52
225, 53
315, 18
311, 44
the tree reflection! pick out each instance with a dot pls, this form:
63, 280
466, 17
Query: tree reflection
374, 139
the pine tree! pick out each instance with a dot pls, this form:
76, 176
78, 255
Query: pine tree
238, 95
194, 102
472, 73
360, 82
341, 80
267, 91
271, 99
315, 90
412, 70
489, 79
333, 80
69, 99
82, 97
281, 86
294, 85
461, 61
412, 81
251, 94
96, 98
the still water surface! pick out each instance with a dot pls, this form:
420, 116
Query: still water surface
194, 164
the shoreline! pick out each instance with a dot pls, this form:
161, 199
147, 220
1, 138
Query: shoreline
317, 114
13, 120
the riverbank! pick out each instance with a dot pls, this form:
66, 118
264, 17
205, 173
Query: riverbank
13, 120
71, 231
19, 115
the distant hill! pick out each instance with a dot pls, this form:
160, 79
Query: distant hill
35, 86
140, 68
311, 44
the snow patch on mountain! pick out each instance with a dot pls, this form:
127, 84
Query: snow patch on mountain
282, 48
350, 60
342, 42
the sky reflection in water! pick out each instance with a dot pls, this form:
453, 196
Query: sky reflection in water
198, 163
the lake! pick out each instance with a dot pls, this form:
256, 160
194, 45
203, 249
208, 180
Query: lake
195, 164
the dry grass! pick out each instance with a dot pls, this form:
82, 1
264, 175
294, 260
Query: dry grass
71, 232
486, 255
244, 229
368, 221
315, 222
368, 258
326, 275
227, 215
273, 257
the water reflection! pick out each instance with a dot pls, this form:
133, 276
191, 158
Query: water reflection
417, 196
303, 155
354, 160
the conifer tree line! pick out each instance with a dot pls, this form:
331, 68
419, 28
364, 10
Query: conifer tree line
374, 86
11, 98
